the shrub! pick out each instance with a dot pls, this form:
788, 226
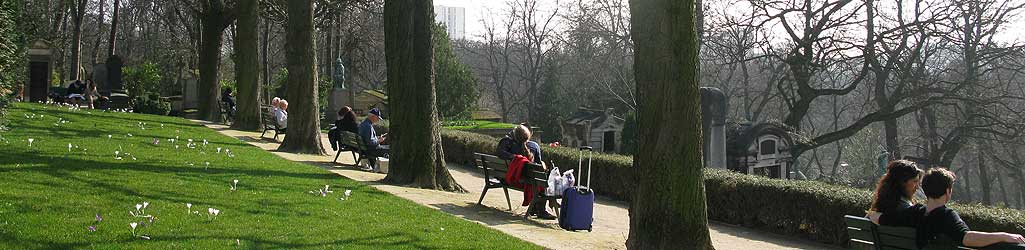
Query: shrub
12, 53
142, 80
151, 104
808, 209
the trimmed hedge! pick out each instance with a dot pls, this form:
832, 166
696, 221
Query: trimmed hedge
808, 209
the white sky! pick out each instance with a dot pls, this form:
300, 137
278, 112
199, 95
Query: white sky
475, 10
478, 9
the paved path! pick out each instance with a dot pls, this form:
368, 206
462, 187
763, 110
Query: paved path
611, 224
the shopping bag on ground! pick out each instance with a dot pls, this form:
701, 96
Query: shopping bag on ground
554, 179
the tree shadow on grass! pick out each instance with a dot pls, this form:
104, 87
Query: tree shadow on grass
392, 240
63, 169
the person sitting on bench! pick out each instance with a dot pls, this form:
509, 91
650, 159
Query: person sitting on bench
895, 191
281, 115
376, 145
518, 142
934, 218
76, 92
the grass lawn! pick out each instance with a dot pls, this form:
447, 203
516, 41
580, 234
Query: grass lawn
50, 195
467, 125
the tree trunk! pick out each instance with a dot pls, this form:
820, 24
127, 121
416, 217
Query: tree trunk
99, 27
247, 66
301, 59
984, 180
113, 29
417, 158
76, 46
214, 20
266, 66
1003, 190
668, 209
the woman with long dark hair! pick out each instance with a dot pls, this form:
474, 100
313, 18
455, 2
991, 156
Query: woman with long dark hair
347, 120
896, 189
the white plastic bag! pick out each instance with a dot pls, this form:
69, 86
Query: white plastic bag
553, 182
567, 181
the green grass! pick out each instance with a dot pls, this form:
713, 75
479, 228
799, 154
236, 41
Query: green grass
50, 196
469, 125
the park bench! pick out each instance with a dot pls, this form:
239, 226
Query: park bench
871, 236
351, 142
494, 170
270, 124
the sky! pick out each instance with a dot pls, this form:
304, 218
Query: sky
478, 9
475, 10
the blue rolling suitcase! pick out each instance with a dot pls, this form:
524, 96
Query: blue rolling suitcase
577, 209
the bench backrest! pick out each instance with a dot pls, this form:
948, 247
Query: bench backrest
492, 166
536, 175
861, 230
352, 140
269, 122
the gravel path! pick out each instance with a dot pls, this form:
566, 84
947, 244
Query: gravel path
611, 223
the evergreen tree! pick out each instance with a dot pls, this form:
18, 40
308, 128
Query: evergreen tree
456, 84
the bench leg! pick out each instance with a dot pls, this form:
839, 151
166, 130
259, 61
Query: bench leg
275, 135
336, 156
482, 193
507, 201
526, 215
264, 132
358, 158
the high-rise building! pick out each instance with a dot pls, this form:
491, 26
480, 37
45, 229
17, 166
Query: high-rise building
454, 19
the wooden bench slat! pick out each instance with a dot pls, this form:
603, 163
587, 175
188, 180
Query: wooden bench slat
860, 234
898, 242
858, 222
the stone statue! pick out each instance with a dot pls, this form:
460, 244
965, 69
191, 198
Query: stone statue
339, 77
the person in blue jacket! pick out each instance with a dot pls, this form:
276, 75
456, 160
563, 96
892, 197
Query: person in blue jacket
376, 145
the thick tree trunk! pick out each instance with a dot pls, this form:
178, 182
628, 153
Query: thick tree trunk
301, 59
214, 20
76, 42
247, 66
417, 158
668, 209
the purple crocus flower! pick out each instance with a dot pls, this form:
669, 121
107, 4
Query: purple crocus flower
92, 228
99, 218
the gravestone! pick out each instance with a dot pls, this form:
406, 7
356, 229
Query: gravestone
713, 118
100, 77
190, 92
114, 65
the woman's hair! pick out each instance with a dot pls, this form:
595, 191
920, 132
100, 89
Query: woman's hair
890, 188
522, 134
344, 111
345, 114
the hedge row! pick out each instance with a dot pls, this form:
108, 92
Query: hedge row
808, 209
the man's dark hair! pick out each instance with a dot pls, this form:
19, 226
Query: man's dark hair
937, 181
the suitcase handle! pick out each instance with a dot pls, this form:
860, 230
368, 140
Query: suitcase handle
580, 163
